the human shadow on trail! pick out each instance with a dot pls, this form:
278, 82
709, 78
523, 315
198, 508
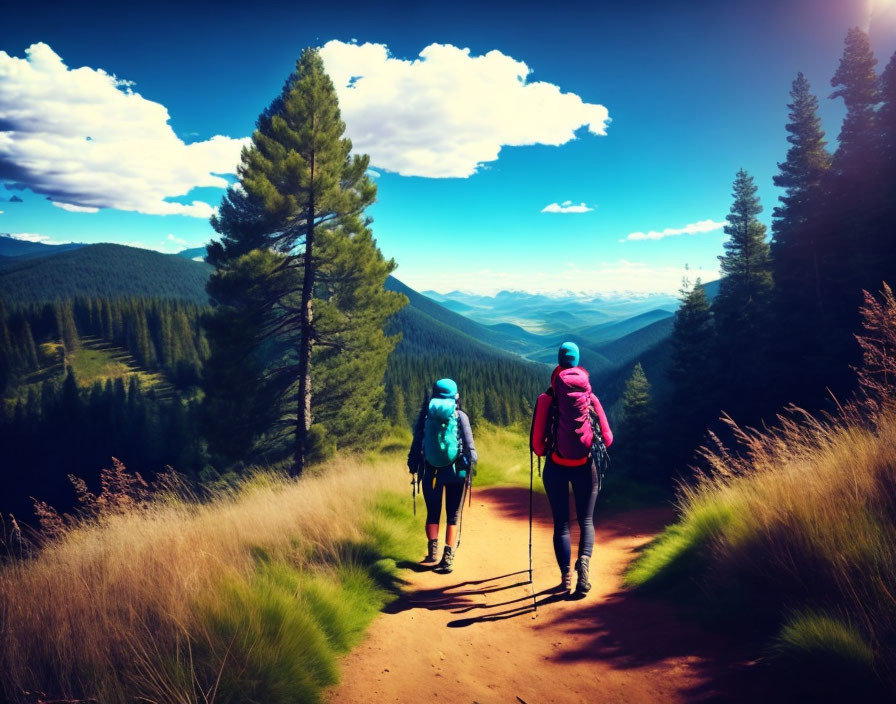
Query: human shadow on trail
462, 597
548, 596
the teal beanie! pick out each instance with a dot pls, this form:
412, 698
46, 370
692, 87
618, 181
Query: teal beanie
444, 388
568, 356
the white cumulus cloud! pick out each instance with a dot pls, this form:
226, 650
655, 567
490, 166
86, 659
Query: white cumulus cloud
566, 207
84, 138
691, 229
445, 113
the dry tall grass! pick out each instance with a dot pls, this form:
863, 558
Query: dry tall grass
800, 529
119, 608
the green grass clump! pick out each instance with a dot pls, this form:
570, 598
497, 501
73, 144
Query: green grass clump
276, 637
676, 552
812, 636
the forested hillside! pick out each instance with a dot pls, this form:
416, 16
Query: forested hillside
102, 271
93, 360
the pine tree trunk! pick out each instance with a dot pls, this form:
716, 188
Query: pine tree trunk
303, 410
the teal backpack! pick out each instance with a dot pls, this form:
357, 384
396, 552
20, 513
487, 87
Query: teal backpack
440, 443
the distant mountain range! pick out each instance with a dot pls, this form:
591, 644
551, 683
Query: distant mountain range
550, 315
12, 247
612, 333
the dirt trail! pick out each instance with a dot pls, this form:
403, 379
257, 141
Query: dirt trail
470, 636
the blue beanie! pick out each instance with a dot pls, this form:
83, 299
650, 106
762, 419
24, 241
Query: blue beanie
444, 388
568, 356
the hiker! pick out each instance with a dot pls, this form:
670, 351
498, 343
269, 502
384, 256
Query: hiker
567, 428
442, 458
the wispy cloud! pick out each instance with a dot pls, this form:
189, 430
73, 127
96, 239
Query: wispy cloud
445, 113
691, 229
566, 207
178, 240
84, 138
75, 208
34, 237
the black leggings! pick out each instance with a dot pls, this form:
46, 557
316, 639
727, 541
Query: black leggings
454, 497
584, 488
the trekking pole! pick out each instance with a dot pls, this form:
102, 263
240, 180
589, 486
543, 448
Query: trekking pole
531, 582
470, 487
414, 491
460, 519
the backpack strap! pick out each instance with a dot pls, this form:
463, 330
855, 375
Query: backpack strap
460, 435
553, 420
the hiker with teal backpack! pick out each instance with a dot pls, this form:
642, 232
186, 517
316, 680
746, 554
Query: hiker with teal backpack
442, 459
570, 430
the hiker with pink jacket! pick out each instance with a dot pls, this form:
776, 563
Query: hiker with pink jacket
568, 427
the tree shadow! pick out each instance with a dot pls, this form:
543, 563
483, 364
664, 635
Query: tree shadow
631, 629
513, 503
625, 629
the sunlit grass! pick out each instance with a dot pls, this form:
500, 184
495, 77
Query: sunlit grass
91, 365
247, 597
504, 457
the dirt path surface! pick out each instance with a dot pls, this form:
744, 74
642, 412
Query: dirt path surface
470, 636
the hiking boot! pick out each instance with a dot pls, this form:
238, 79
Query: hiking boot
447, 560
583, 586
565, 581
433, 554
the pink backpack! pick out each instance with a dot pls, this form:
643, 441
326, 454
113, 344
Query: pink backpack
562, 420
573, 431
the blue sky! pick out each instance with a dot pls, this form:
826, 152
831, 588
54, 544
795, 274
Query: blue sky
693, 89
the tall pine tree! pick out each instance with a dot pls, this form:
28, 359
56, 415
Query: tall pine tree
692, 403
637, 434
886, 226
800, 249
741, 307
301, 199
853, 178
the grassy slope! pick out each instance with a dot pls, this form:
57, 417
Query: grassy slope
795, 542
251, 595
